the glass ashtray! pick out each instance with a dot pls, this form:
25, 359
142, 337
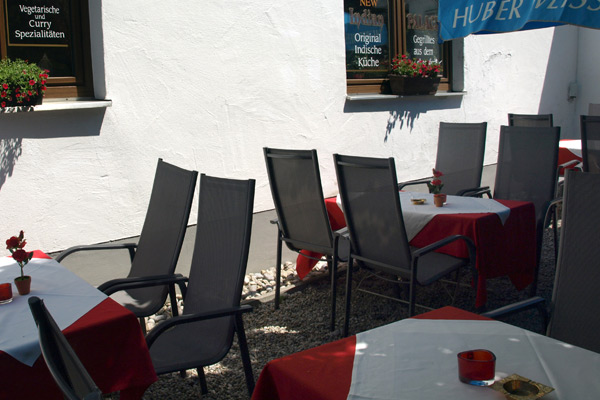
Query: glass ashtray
418, 202
516, 387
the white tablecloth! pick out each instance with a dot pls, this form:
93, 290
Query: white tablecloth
417, 216
66, 296
573, 145
416, 359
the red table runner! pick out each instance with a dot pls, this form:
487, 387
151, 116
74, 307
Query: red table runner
111, 346
502, 250
324, 372
565, 155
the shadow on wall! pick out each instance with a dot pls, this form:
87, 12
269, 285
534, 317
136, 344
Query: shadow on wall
14, 127
403, 112
10, 151
561, 70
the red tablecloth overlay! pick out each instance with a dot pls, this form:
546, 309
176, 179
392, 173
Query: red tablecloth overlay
111, 346
565, 155
502, 250
324, 372
337, 221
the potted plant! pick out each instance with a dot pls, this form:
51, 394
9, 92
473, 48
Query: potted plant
414, 77
16, 246
21, 83
435, 187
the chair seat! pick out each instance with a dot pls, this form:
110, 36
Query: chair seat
434, 266
171, 350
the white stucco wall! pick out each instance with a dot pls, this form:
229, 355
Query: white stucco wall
205, 85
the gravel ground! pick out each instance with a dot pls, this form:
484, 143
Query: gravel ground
302, 322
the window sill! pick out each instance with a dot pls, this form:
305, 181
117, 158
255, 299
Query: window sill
374, 96
58, 105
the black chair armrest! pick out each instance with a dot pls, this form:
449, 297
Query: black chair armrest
572, 163
189, 318
343, 233
467, 192
447, 240
116, 285
533, 302
419, 182
110, 246
479, 193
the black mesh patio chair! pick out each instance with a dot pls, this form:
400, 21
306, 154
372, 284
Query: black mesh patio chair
460, 152
302, 219
65, 367
154, 257
541, 120
371, 204
590, 143
527, 171
594, 109
212, 313
574, 307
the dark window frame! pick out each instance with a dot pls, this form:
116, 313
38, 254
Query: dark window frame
81, 84
397, 37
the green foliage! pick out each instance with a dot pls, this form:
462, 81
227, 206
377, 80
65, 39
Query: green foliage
404, 66
20, 82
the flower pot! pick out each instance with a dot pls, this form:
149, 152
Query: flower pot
413, 85
23, 284
439, 199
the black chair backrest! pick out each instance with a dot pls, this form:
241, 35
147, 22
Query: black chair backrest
371, 204
590, 143
460, 152
541, 120
163, 231
575, 318
67, 370
527, 166
295, 183
216, 275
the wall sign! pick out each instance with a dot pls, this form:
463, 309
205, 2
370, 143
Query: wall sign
422, 30
367, 44
38, 23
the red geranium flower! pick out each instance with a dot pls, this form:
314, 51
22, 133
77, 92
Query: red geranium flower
21, 256
4, 86
16, 244
436, 184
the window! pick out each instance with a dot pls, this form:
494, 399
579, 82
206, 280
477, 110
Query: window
55, 35
378, 30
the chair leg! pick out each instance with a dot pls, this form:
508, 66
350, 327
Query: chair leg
143, 325
202, 379
278, 270
348, 296
173, 297
332, 263
555, 234
412, 295
239, 326
457, 286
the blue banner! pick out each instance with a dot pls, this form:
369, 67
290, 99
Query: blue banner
460, 18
